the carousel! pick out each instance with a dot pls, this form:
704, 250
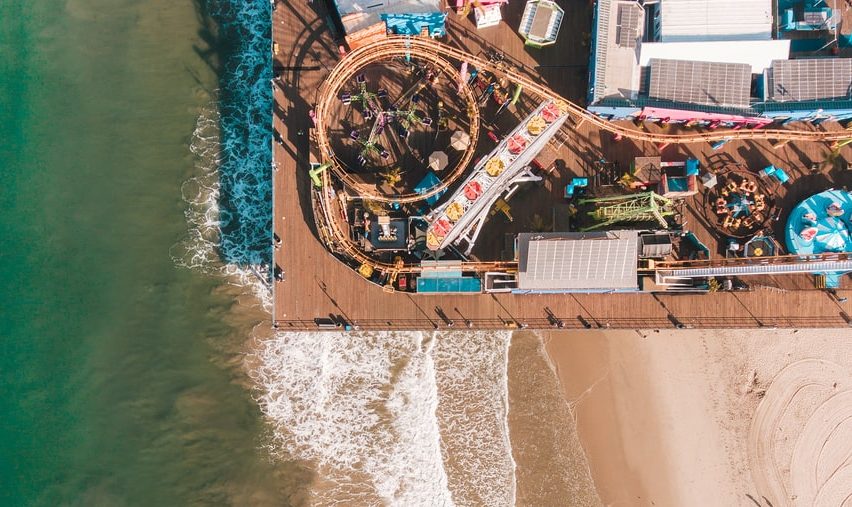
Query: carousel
739, 204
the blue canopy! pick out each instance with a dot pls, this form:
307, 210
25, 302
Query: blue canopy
428, 183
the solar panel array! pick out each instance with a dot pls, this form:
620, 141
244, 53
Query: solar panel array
810, 79
707, 83
627, 28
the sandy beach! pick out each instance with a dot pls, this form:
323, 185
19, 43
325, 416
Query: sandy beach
712, 418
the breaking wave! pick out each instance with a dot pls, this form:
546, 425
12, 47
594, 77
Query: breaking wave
229, 198
471, 375
408, 418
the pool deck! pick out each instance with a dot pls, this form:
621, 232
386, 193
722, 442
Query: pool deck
316, 284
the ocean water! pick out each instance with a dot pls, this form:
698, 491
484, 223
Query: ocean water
393, 418
120, 371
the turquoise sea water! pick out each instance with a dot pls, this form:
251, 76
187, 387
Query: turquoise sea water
119, 375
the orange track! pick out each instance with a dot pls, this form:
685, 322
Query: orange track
337, 79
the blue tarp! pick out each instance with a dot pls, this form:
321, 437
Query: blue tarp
427, 183
413, 24
806, 45
678, 184
691, 167
439, 285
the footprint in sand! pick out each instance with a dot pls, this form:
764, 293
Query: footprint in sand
800, 442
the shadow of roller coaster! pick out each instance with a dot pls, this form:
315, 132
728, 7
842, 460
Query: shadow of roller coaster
440, 54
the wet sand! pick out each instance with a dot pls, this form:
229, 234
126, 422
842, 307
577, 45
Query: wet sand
551, 468
710, 417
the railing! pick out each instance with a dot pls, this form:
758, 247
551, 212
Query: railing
748, 261
578, 322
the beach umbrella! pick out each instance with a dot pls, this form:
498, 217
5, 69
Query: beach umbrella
438, 160
460, 140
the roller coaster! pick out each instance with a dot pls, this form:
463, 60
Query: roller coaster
440, 55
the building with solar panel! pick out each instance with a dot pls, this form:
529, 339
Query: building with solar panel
705, 62
600, 261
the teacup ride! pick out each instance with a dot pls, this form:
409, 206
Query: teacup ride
495, 166
472, 190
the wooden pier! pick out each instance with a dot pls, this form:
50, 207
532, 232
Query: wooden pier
315, 284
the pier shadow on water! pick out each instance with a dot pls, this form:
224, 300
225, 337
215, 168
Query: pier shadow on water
237, 38
238, 35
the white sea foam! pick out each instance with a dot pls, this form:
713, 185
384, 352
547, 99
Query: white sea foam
403, 409
473, 406
229, 196
360, 403
198, 250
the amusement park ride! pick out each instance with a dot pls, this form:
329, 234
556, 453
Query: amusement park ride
499, 173
462, 213
642, 207
398, 116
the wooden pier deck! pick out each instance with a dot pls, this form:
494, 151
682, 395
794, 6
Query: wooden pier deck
316, 284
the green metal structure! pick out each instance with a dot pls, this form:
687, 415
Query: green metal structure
642, 207
316, 171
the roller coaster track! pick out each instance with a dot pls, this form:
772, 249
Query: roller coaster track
439, 54
341, 74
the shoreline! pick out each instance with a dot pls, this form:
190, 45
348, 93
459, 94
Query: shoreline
649, 435
696, 417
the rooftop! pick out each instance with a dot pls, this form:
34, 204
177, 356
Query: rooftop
707, 83
578, 261
619, 33
359, 14
809, 79
726, 31
759, 54
541, 21
706, 20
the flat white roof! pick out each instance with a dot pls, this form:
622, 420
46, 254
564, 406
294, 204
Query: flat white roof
604, 260
705, 20
757, 53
